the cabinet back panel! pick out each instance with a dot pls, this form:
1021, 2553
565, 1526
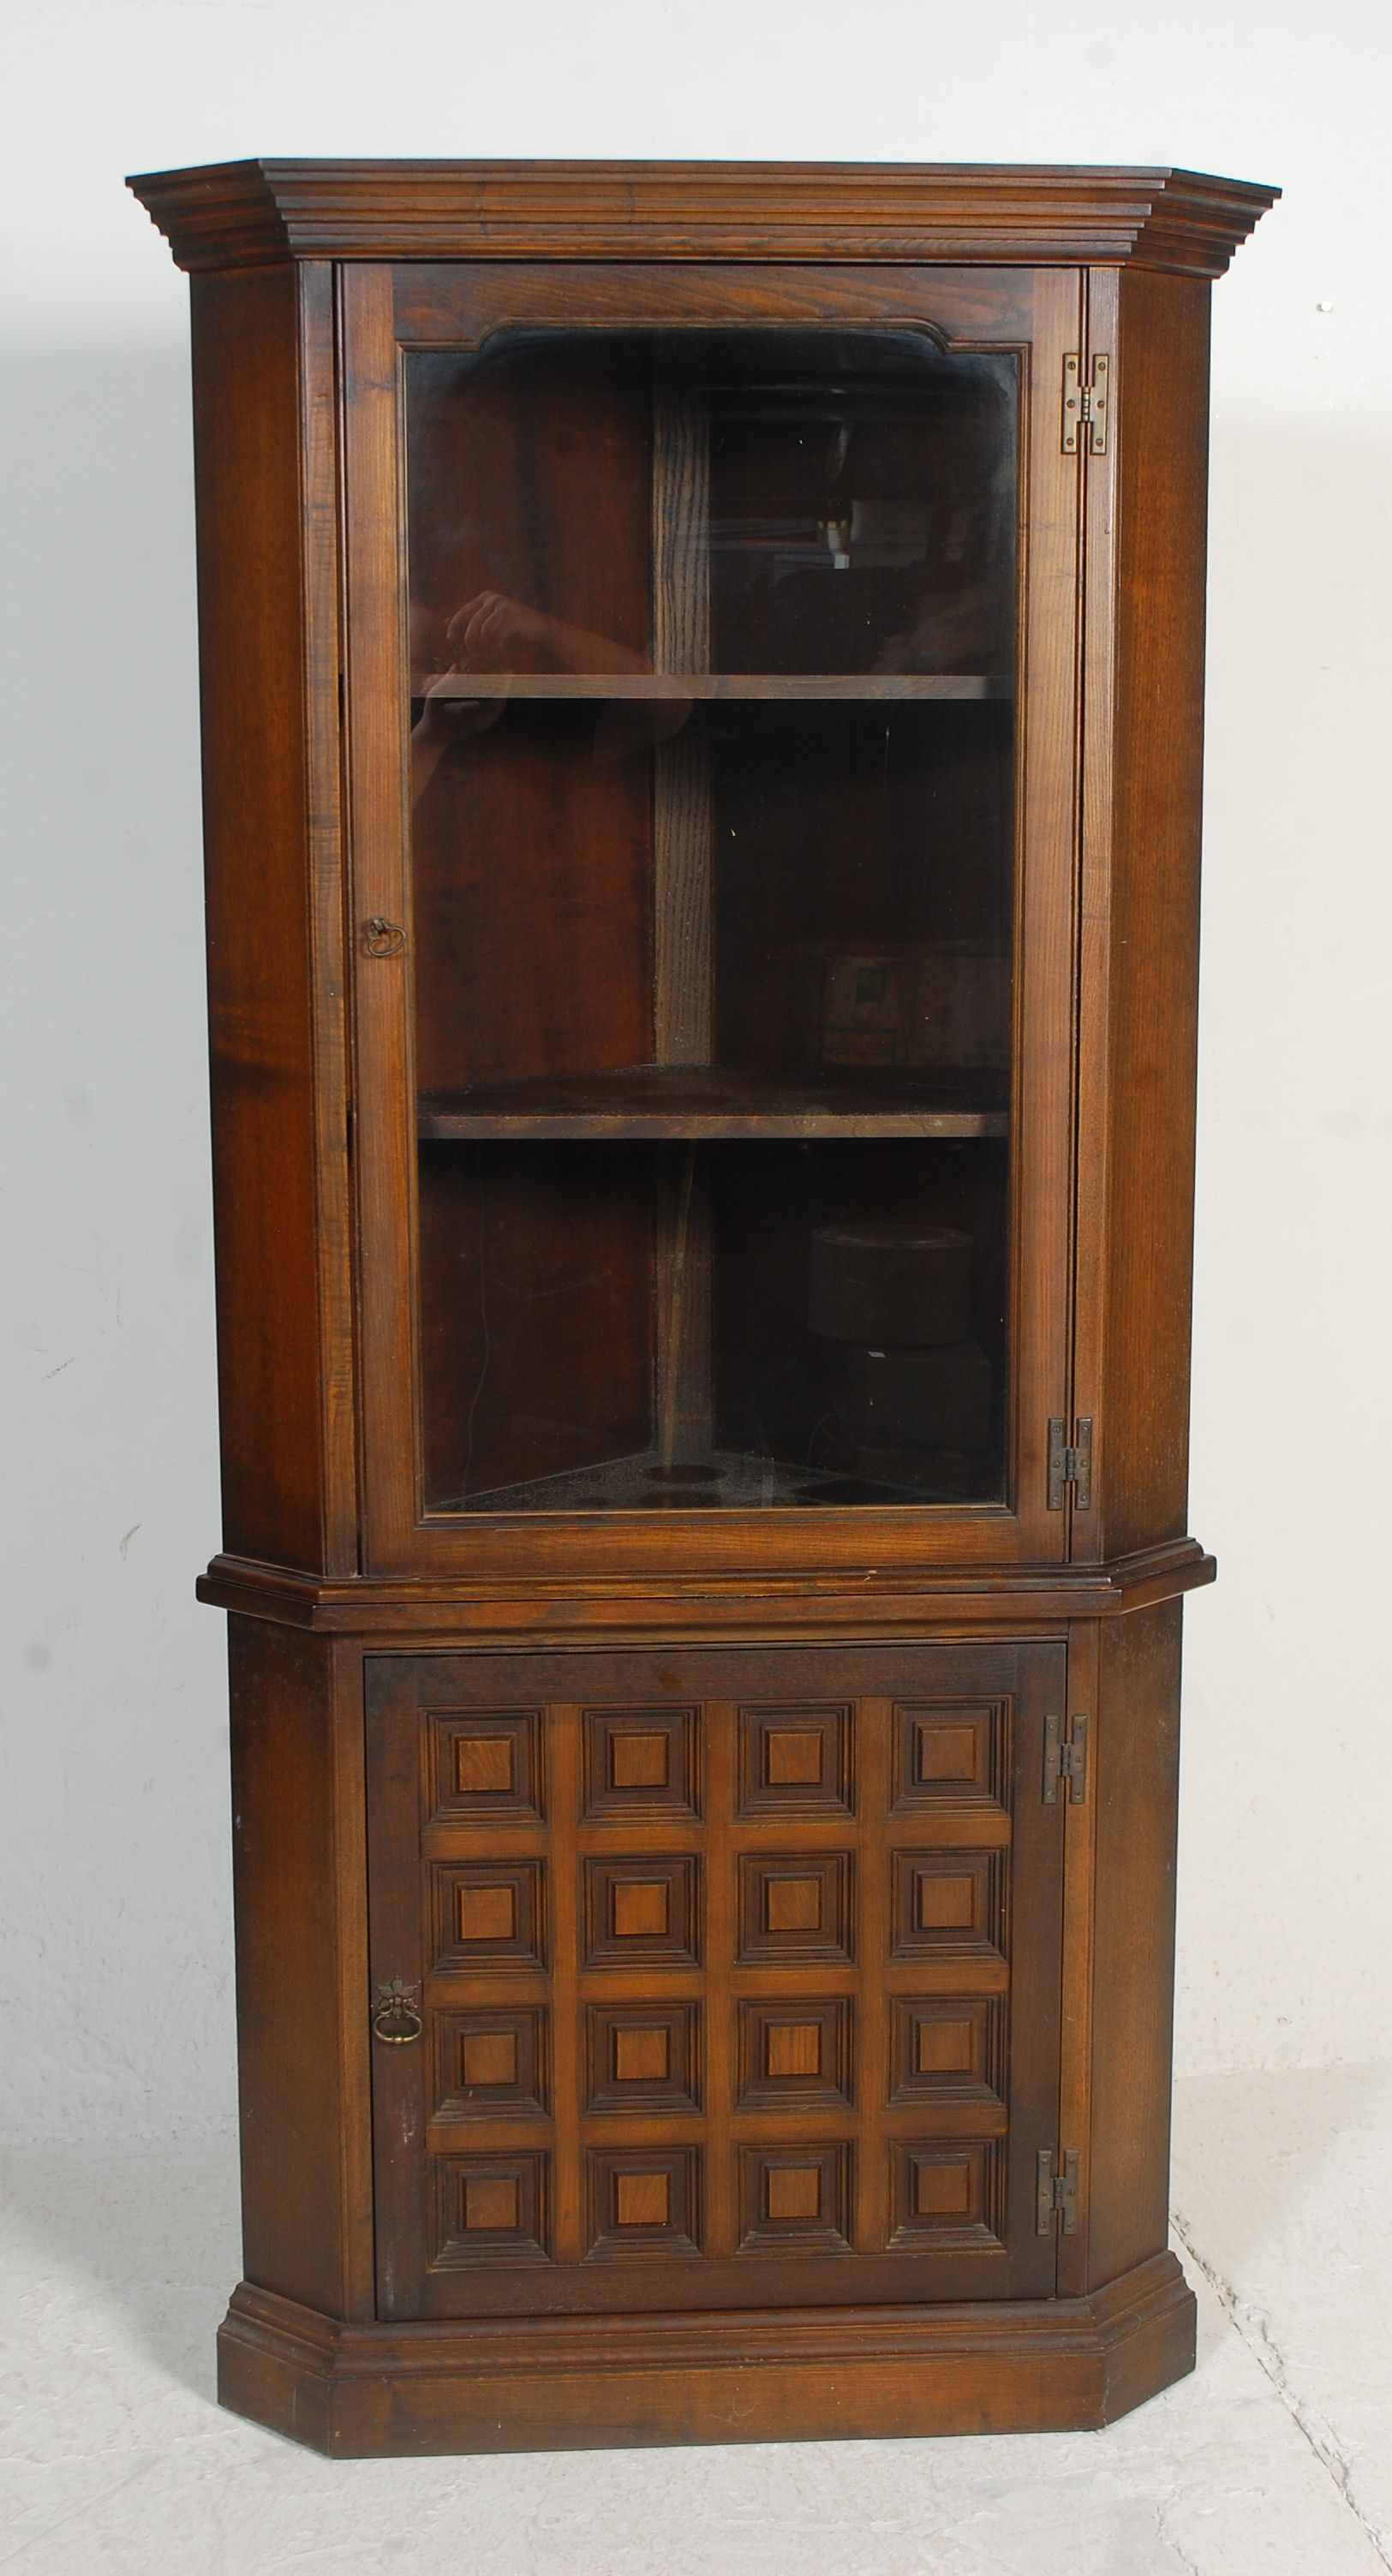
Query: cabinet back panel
532, 906
527, 483
841, 831
536, 1311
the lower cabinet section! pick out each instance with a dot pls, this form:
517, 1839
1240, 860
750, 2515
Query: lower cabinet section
694, 2065
712, 1980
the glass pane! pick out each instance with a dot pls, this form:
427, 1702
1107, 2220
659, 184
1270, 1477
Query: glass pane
713, 642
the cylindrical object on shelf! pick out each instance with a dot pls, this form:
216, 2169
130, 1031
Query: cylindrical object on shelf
890, 1286
939, 1398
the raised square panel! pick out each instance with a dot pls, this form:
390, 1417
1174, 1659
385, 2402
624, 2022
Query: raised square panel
643, 2057
945, 2194
487, 1913
491, 2201
946, 2048
642, 2199
790, 2191
793, 1758
641, 1762
483, 1766
639, 1912
942, 2186
946, 1904
795, 2053
794, 1905
638, 1906
489, 2210
489, 2065
943, 2047
793, 2048
951, 1753
795, 2199
642, 2202
489, 2058
795, 1761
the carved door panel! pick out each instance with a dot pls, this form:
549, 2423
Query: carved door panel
712, 1978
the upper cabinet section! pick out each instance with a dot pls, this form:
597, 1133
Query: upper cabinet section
702, 832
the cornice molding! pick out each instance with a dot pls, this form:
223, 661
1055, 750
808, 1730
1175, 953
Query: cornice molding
240, 214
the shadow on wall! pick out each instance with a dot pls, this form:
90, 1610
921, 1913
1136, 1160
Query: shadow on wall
113, 1830
102, 2249
1285, 1897
1263, 2164
99, 491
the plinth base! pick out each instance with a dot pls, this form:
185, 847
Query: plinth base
808, 2375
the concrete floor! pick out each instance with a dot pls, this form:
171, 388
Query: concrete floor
1275, 2459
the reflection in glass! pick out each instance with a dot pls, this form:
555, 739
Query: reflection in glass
712, 644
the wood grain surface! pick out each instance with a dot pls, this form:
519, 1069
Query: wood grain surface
259, 211
755, 1969
1053, 2365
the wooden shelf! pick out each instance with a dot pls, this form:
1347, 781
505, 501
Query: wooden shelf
721, 1480
725, 686
701, 1101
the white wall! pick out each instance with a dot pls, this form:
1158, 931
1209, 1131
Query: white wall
114, 1871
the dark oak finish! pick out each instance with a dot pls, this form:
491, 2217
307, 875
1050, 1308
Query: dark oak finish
705, 1100
742, 1962
1143, 788
1030, 1602
827, 1853
263, 211
298, 1861
263, 388
401, 1532
1055, 2365
1137, 1796
455, 306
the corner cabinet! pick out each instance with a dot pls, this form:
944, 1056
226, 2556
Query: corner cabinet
702, 678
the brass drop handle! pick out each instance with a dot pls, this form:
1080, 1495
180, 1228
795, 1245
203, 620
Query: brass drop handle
398, 2019
383, 938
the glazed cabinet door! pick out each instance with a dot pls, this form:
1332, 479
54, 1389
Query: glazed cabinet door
705, 1978
711, 701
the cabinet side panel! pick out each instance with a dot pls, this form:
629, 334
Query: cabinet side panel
299, 1867
1157, 768
255, 795
1136, 1773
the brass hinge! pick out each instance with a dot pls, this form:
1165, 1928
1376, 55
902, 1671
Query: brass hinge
1085, 406
1070, 1465
1058, 2192
1065, 1758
